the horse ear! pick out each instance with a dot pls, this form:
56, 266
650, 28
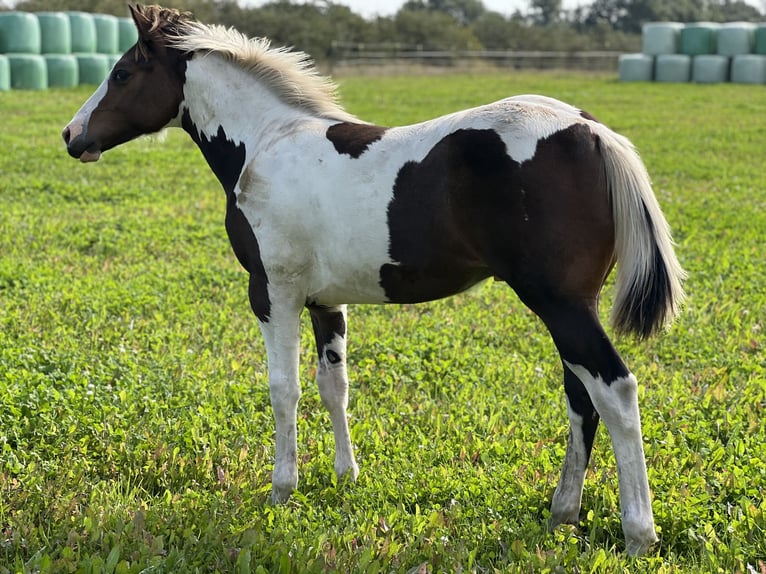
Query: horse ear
139, 18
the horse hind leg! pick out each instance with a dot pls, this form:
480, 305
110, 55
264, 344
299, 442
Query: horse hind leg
612, 390
332, 379
583, 421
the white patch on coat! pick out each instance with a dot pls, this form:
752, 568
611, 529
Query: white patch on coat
617, 404
321, 217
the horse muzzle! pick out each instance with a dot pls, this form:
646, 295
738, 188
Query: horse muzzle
80, 147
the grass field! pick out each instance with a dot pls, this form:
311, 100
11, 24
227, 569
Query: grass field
135, 428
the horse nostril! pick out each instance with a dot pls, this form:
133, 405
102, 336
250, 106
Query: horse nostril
66, 134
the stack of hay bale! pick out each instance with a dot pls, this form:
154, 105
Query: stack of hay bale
60, 49
703, 52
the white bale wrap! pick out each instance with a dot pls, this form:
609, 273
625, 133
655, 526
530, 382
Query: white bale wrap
127, 33
636, 68
661, 38
19, 33
55, 33
748, 69
5, 73
92, 68
107, 33
62, 70
673, 68
83, 32
735, 38
710, 69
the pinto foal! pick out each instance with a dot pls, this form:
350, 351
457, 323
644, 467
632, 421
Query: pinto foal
323, 209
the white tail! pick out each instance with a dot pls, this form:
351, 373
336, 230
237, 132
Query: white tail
649, 276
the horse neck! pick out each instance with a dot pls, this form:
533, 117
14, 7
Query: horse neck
219, 95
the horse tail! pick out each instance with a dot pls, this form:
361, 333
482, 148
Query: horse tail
649, 288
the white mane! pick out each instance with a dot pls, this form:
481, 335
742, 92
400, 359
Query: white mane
290, 74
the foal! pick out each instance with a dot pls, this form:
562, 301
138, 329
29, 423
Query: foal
324, 210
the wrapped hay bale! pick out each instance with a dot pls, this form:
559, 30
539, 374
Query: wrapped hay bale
672, 68
636, 68
698, 38
55, 33
760, 39
128, 35
83, 32
736, 38
5, 73
92, 68
107, 33
749, 69
710, 69
661, 38
62, 69
19, 33
28, 72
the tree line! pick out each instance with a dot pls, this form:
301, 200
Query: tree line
319, 27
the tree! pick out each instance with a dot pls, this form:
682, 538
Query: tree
546, 12
464, 11
433, 30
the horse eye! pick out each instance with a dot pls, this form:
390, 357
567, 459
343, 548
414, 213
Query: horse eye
120, 75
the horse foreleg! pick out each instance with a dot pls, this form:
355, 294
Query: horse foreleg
281, 334
332, 379
583, 421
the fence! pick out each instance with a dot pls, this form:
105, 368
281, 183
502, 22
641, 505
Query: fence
349, 55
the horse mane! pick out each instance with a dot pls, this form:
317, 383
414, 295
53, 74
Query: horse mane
290, 74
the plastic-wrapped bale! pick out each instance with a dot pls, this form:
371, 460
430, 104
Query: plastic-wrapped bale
28, 72
127, 33
698, 38
636, 67
760, 39
19, 33
661, 38
83, 32
735, 38
5, 73
55, 33
63, 71
92, 68
107, 33
710, 69
748, 69
672, 68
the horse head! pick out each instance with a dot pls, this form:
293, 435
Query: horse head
141, 94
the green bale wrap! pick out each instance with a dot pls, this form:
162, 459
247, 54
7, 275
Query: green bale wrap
19, 33
760, 39
92, 68
698, 38
636, 68
710, 69
107, 33
63, 71
83, 32
661, 38
748, 69
5, 73
55, 33
673, 68
28, 72
736, 38
127, 33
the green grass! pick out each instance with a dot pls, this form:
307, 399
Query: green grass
135, 427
